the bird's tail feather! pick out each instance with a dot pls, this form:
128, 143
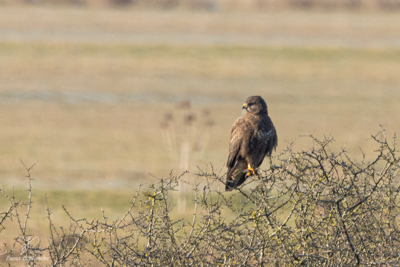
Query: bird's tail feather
234, 179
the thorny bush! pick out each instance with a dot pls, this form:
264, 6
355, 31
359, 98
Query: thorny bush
314, 208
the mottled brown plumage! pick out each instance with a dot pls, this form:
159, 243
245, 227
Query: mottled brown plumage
253, 137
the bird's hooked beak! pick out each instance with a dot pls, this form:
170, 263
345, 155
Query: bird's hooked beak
244, 106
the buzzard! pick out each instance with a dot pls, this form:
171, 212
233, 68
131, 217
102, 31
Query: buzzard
253, 137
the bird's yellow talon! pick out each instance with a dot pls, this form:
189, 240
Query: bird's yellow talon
251, 171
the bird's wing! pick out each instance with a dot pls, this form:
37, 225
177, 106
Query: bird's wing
271, 136
272, 142
236, 141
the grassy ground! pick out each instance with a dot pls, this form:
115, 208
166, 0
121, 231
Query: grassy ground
83, 91
104, 121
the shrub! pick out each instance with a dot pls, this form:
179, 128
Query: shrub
315, 208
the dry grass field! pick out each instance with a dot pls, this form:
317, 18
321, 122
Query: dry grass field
110, 131
83, 92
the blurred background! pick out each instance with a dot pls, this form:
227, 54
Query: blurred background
103, 93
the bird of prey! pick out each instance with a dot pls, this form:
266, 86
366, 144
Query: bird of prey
253, 137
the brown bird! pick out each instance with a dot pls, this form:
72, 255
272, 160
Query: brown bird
253, 137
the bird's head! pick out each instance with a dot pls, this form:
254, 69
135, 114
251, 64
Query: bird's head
255, 105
